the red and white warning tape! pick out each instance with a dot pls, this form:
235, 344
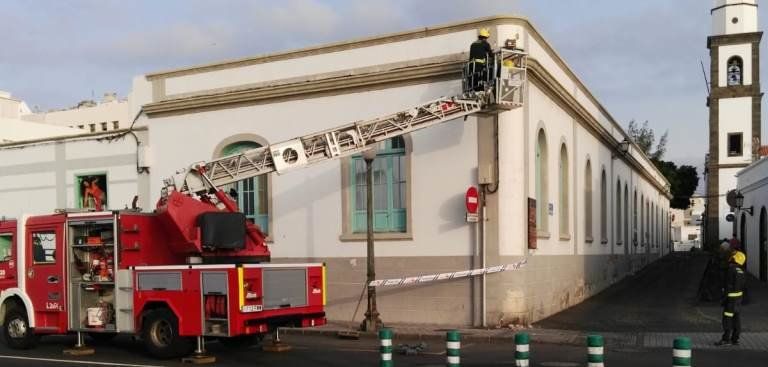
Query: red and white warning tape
421, 279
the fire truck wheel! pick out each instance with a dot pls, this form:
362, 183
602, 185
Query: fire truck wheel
16, 330
160, 334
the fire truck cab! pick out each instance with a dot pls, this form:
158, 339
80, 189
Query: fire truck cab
104, 273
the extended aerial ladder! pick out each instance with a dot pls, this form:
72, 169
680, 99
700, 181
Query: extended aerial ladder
502, 89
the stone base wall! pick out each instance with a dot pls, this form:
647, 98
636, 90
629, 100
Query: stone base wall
547, 285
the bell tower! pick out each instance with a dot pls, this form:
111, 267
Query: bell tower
734, 106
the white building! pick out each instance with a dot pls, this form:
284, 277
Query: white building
751, 224
109, 114
14, 128
734, 106
686, 225
601, 214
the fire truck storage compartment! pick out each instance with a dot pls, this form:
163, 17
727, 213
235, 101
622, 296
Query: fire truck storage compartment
284, 288
215, 303
92, 251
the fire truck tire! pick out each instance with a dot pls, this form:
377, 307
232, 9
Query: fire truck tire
16, 330
160, 333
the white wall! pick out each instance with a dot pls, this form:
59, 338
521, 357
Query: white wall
722, 18
38, 178
753, 184
735, 117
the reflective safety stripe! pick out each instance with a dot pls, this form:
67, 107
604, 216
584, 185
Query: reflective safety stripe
479, 61
728, 314
521, 363
595, 350
735, 294
386, 342
453, 360
386, 356
522, 347
681, 353
453, 345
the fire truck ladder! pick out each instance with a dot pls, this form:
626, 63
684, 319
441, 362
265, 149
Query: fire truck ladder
503, 90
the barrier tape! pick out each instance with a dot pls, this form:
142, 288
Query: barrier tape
446, 276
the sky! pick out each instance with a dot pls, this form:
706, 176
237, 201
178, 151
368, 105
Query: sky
639, 58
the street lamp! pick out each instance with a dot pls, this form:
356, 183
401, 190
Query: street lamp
740, 203
624, 147
372, 321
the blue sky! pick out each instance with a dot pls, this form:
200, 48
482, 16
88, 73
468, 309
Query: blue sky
639, 58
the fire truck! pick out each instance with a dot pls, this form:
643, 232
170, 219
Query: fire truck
195, 268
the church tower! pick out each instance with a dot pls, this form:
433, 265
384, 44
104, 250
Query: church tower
734, 106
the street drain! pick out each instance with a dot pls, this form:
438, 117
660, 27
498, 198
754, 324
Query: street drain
559, 364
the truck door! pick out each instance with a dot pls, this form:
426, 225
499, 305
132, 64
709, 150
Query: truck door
45, 283
7, 257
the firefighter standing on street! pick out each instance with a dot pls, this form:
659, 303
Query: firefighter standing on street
481, 59
734, 291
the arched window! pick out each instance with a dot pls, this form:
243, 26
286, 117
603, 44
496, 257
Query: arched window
635, 230
626, 214
252, 194
652, 226
735, 71
390, 178
542, 197
564, 187
763, 238
618, 212
641, 228
588, 214
603, 208
646, 227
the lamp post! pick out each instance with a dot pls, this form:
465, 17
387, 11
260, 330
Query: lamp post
740, 203
372, 321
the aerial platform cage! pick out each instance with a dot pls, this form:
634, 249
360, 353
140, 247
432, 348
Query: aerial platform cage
501, 79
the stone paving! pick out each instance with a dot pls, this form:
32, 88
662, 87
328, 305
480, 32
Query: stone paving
648, 310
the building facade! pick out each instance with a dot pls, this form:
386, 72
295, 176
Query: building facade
600, 212
734, 106
751, 224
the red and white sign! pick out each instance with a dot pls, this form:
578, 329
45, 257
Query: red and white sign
472, 200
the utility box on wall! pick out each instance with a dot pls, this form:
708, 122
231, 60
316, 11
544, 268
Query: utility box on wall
486, 149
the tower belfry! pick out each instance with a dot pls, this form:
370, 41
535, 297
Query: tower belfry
734, 106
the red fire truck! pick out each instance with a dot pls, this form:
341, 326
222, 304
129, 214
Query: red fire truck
195, 267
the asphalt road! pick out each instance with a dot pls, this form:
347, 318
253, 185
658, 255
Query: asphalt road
329, 351
660, 298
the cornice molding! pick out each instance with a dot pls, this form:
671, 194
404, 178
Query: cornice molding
732, 39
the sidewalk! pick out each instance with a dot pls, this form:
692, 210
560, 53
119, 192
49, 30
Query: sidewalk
619, 340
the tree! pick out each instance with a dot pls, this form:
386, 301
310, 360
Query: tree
683, 180
644, 137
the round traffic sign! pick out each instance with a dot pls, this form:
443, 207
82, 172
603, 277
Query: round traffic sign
472, 200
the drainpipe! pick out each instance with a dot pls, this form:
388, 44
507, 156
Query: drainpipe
483, 257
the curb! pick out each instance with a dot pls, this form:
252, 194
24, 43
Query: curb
563, 338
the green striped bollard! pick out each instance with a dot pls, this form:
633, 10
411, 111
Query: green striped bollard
452, 348
681, 354
385, 336
522, 349
595, 351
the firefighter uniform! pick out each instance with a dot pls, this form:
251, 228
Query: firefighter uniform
734, 292
480, 60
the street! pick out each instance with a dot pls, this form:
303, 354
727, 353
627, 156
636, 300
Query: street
328, 351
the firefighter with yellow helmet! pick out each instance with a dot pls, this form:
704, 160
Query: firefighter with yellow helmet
734, 293
481, 59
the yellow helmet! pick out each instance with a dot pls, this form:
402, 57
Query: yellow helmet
739, 258
484, 32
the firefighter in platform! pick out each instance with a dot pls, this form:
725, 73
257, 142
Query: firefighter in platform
734, 292
480, 60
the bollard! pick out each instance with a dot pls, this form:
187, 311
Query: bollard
522, 349
385, 336
681, 354
595, 351
452, 347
